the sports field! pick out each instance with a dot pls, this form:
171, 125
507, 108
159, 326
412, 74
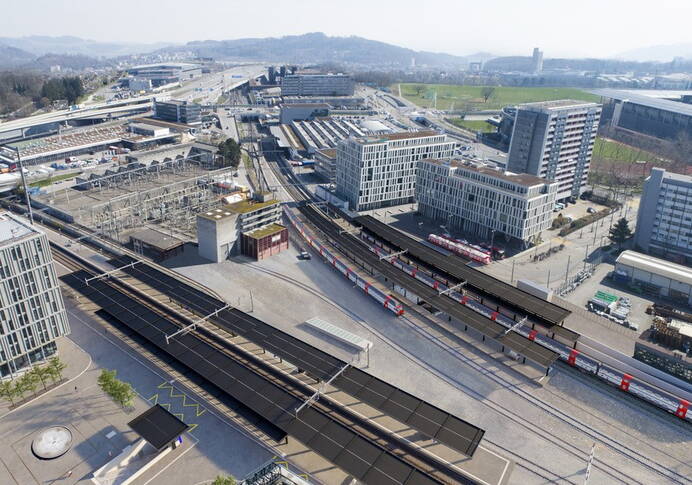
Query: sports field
473, 125
611, 151
470, 98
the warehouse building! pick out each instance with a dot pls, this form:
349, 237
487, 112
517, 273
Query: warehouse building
308, 84
554, 140
485, 201
161, 74
664, 220
380, 171
32, 311
220, 230
656, 277
265, 242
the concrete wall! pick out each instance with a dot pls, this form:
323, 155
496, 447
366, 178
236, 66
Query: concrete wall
216, 239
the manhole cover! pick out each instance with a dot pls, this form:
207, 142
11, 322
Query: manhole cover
52, 442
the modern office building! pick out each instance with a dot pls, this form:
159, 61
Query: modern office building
32, 311
177, 111
554, 140
161, 74
317, 85
664, 220
483, 201
380, 171
659, 114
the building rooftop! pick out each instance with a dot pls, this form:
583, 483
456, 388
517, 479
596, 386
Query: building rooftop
265, 231
13, 228
328, 152
157, 239
245, 206
658, 266
397, 136
304, 105
557, 105
524, 179
158, 427
217, 214
648, 100
674, 176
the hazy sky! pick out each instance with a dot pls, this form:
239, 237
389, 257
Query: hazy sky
597, 28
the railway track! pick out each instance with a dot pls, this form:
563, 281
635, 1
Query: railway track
434, 468
616, 474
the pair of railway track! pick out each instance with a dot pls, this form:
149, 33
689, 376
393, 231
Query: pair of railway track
433, 468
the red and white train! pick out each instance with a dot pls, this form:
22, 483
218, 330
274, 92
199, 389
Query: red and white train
461, 249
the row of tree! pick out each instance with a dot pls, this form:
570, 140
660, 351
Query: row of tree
31, 91
69, 88
28, 382
120, 391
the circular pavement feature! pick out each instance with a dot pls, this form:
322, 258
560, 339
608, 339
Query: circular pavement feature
52, 442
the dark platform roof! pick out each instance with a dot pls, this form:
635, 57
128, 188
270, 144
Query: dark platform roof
158, 426
157, 239
445, 427
489, 328
507, 294
365, 460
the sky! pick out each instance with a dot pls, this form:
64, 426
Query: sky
561, 28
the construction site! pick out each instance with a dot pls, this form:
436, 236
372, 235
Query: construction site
165, 194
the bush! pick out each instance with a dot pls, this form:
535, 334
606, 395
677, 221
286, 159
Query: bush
584, 221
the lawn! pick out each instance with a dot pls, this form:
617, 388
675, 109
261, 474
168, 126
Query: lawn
51, 180
469, 97
472, 125
608, 150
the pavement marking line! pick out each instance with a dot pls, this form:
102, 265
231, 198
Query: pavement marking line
176, 459
155, 397
167, 406
192, 427
164, 385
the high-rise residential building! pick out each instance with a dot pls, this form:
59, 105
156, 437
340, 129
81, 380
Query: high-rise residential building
664, 220
32, 311
177, 111
308, 84
537, 60
380, 171
554, 140
484, 201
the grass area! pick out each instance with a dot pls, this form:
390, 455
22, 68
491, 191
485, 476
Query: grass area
51, 180
250, 170
608, 150
469, 98
223, 99
473, 125
197, 100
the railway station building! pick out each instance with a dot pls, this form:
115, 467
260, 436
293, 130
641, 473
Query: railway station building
32, 311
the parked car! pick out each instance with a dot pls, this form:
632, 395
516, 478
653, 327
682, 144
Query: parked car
591, 210
303, 254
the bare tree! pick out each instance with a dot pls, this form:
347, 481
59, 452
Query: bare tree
487, 92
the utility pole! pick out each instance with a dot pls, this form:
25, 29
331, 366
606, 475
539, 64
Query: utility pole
589, 463
569, 257
24, 186
511, 280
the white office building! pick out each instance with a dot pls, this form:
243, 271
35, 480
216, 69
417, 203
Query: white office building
380, 171
554, 140
32, 311
309, 84
664, 220
485, 201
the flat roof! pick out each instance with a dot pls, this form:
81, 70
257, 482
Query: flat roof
396, 136
558, 104
328, 152
158, 426
524, 179
217, 214
304, 105
265, 231
13, 228
644, 262
646, 100
245, 206
158, 239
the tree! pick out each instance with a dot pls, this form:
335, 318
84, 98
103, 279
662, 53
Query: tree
8, 391
230, 151
120, 391
29, 382
419, 88
42, 374
224, 480
106, 381
487, 92
19, 387
55, 367
620, 232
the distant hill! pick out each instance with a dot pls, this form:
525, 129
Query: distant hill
316, 47
661, 53
39, 45
12, 57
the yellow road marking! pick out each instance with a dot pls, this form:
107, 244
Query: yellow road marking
155, 397
192, 427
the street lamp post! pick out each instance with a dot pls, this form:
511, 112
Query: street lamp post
24, 186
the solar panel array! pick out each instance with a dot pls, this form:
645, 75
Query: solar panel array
336, 442
492, 287
518, 343
420, 415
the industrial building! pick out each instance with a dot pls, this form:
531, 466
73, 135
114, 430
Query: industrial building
380, 171
658, 114
554, 140
219, 230
161, 74
32, 311
484, 201
177, 111
309, 84
656, 277
155, 244
265, 242
664, 220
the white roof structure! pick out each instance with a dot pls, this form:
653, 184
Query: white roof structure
340, 334
661, 267
12, 228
